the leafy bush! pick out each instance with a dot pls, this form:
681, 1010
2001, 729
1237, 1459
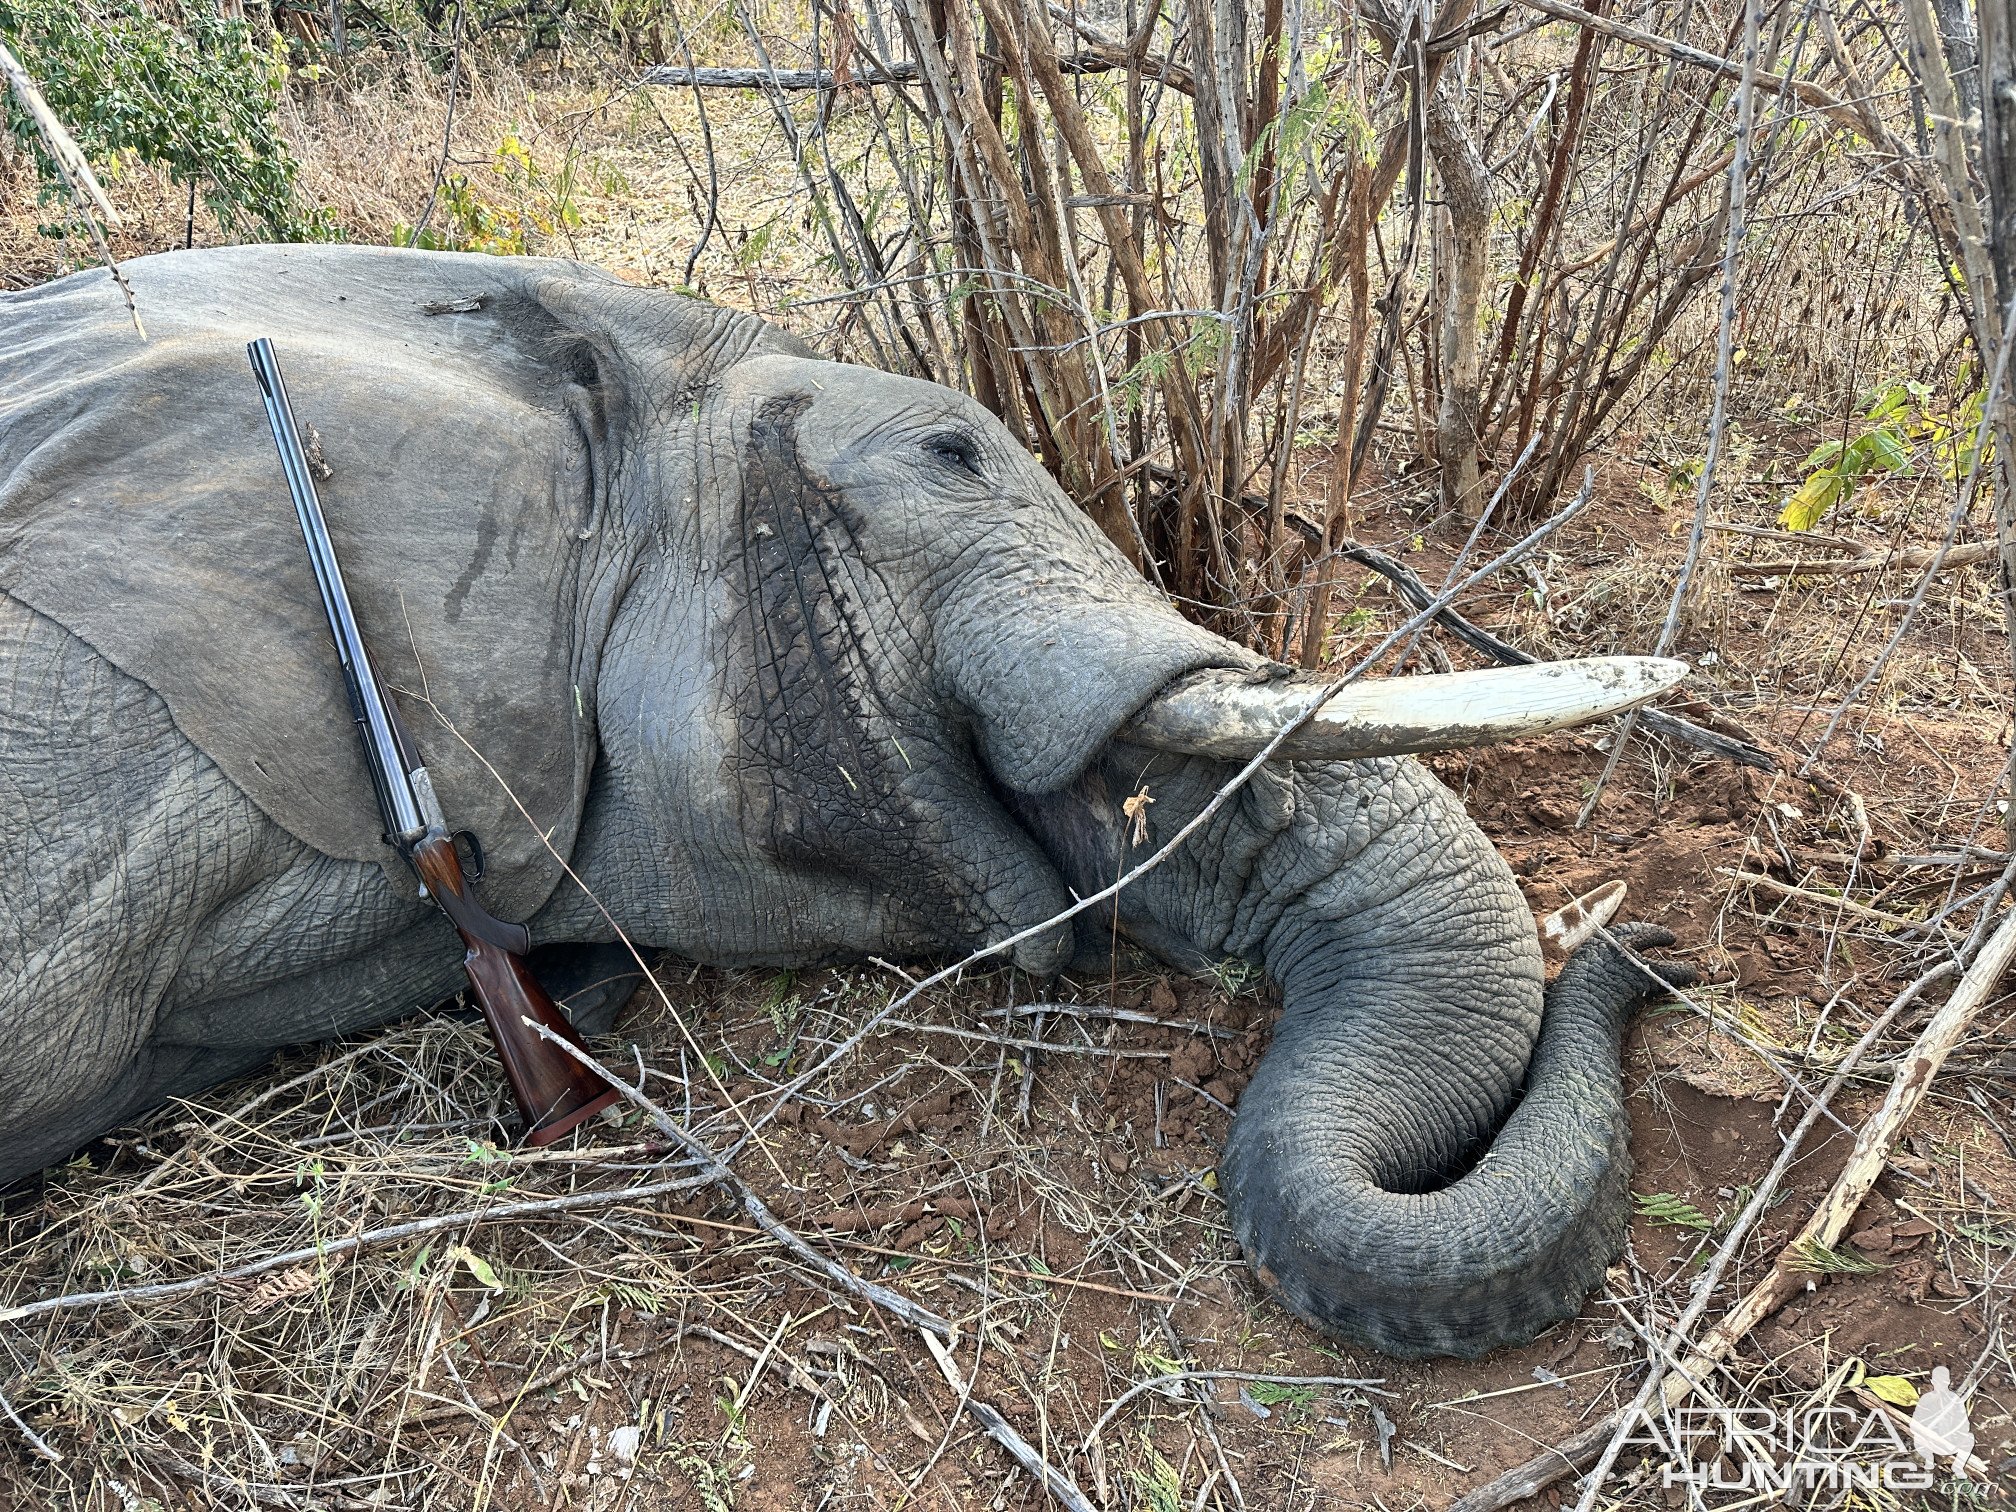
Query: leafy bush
198, 101
547, 203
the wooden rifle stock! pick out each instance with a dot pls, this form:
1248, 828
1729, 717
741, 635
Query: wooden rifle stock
554, 1091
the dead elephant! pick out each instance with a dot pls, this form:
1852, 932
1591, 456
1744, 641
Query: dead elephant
791, 662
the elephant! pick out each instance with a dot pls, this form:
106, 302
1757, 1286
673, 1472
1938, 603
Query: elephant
759, 659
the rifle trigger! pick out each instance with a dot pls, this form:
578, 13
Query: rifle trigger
473, 862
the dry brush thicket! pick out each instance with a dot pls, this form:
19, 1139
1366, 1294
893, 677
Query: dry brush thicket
1210, 260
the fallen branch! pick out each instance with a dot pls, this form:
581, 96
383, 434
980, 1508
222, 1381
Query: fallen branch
1025, 1044
161, 1290
1118, 1015
1875, 916
1863, 559
1177, 1377
1789, 1273
1093, 58
716, 1172
999, 1429
934, 1330
1047, 1278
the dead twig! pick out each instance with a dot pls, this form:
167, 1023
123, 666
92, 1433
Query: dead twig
1179, 1377
1912, 559
162, 1290
1825, 900
35, 1440
1118, 1015
999, 1429
1023, 1044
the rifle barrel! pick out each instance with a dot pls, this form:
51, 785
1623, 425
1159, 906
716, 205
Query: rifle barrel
391, 776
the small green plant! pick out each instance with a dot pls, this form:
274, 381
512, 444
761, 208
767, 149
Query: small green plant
1158, 1484
1901, 420
781, 1003
1981, 1233
1820, 1259
1157, 1364
198, 99
712, 1481
1676, 484
469, 223
632, 1294
1671, 1209
416, 1268
1293, 1400
1233, 976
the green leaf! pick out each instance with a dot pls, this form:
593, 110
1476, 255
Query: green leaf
1893, 1389
1888, 401
1891, 451
1809, 505
478, 1267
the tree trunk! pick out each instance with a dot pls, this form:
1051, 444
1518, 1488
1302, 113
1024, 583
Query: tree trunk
1996, 90
1466, 200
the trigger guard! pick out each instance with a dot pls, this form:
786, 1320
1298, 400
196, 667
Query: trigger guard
474, 866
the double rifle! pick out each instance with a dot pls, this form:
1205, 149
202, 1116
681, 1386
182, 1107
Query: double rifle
554, 1091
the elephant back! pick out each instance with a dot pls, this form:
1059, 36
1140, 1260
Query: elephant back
455, 437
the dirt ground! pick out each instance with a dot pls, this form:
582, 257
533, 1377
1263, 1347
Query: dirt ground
1044, 1176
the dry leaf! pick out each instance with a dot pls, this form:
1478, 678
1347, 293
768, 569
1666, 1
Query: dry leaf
274, 1290
1136, 810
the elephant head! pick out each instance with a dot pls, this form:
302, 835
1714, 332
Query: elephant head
792, 661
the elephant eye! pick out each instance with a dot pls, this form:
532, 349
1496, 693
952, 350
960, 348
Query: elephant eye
955, 450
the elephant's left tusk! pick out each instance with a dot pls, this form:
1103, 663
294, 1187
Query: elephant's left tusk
1223, 714
1571, 925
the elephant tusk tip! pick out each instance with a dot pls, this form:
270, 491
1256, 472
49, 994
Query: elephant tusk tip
1666, 671
1574, 922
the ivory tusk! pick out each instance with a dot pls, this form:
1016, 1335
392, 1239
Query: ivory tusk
1570, 926
1222, 715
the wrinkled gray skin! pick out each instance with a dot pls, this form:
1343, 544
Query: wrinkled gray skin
792, 661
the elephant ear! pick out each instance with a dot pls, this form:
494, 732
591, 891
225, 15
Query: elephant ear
472, 414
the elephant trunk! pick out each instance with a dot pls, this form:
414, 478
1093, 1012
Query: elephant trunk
1375, 1179
1431, 1156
